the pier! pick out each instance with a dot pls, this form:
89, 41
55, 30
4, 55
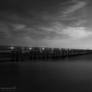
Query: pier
13, 53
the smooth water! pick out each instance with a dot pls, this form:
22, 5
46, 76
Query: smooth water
69, 75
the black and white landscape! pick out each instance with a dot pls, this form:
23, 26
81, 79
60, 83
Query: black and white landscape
45, 45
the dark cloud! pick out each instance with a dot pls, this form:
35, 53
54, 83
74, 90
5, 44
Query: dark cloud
34, 22
29, 5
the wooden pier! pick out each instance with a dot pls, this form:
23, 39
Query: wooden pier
38, 53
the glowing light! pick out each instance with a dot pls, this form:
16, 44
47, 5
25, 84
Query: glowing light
12, 47
30, 48
43, 48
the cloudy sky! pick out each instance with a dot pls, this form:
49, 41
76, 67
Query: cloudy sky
49, 23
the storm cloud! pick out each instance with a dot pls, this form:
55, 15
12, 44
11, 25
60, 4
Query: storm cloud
43, 22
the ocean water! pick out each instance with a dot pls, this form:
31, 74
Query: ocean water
69, 75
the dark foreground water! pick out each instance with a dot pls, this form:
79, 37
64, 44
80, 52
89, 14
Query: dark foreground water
69, 75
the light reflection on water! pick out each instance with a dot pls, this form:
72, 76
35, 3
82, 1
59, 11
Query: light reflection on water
74, 75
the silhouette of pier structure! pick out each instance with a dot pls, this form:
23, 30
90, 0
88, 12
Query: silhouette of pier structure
16, 53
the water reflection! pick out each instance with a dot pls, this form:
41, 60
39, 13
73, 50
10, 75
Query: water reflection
9, 75
56, 77
80, 58
72, 74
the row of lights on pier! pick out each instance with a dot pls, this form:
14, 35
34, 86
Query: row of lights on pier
12, 48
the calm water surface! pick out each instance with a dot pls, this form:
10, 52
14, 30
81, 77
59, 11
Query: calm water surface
69, 75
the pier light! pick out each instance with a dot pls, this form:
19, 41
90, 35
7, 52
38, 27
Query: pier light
43, 48
12, 47
30, 48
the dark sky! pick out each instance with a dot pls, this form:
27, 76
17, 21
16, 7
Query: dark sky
50, 23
